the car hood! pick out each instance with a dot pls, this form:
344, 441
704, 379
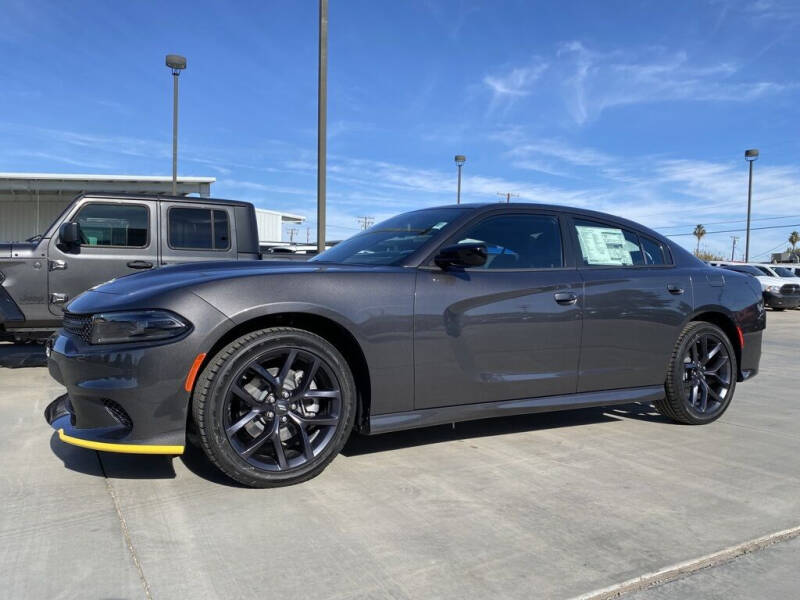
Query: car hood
166, 279
767, 280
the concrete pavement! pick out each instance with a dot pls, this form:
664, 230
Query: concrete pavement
542, 506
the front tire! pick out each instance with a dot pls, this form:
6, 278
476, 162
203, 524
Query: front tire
701, 375
274, 406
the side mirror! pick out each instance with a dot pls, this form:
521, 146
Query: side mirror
462, 256
69, 233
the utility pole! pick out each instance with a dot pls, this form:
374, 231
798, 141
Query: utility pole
733, 248
308, 235
366, 222
322, 122
750, 156
508, 196
176, 63
460, 160
291, 231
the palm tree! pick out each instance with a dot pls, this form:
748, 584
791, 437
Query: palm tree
794, 238
698, 232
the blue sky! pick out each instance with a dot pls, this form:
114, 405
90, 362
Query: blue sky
642, 109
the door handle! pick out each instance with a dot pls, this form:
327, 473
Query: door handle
565, 298
675, 289
140, 264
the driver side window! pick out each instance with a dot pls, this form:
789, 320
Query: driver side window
520, 241
114, 225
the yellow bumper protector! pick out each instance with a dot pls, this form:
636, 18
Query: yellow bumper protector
126, 448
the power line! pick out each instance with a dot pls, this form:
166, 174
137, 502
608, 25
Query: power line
771, 250
727, 222
737, 230
507, 196
366, 222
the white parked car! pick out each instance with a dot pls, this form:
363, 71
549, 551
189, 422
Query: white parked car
779, 292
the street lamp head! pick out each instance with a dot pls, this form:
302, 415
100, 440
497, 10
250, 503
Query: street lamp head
176, 62
460, 159
751, 154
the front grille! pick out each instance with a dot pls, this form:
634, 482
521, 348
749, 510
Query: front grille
80, 325
116, 411
790, 289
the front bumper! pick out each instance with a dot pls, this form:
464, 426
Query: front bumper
60, 415
778, 300
121, 398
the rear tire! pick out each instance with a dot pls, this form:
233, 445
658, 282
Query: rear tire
274, 407
701, 375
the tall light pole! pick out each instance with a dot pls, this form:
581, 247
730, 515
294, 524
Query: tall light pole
322, 115
460, 160
177, 63
750, 156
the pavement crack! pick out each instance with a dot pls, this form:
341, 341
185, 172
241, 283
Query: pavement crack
124, 527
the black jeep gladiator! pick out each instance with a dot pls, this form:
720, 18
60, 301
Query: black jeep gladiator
99, 237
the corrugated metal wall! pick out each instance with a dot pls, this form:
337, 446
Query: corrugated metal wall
19, 214
269, 226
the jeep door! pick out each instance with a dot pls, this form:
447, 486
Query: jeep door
116, 239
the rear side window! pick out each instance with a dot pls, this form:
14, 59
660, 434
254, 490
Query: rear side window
517, 241
198, 229
119, 225
654, 253
606, 245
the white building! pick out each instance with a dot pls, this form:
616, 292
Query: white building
30, 202
270, 226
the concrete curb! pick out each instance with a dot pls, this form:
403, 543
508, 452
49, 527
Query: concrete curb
689, 567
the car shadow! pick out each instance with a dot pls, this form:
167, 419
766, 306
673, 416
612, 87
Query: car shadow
198, 463
367, 444
640, 412
112, 465
15, 356
142, 466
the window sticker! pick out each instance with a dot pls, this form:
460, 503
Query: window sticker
604, 245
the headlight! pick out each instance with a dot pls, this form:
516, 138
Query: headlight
773, 288
136, 326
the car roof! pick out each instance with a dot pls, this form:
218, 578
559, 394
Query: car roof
583, 212
168, 197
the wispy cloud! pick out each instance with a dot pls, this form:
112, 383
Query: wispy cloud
591, 81
510, 85
67, 160
596, 81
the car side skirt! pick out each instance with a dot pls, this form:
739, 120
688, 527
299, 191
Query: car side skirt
485, 410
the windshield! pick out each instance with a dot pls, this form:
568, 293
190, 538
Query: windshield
784, 272
390, 242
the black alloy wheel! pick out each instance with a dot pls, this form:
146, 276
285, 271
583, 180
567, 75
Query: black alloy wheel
707, 373
701, 376
282, 409
274, 407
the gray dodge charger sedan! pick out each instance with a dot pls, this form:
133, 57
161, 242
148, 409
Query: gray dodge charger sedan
434, 316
